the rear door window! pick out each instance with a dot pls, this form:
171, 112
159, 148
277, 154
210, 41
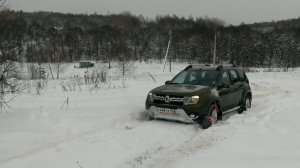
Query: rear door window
234, 76
225, 78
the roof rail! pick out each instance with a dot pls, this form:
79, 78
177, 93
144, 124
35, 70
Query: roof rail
219, 67
200, 65
204, 66
188, 67
229, 65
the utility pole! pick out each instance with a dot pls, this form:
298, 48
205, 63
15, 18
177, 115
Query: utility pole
215, 49
170, 38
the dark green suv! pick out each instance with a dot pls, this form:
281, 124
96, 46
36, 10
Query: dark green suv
200, 94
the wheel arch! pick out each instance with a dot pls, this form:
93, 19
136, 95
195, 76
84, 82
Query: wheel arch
218, 103
249, 94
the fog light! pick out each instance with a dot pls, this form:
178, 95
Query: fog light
192, 116
150, 96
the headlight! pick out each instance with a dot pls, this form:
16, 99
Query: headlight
191, 100
150, 96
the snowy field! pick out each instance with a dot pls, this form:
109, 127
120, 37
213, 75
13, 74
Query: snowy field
106, 127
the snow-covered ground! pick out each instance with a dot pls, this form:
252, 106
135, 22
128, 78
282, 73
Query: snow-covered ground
107, 127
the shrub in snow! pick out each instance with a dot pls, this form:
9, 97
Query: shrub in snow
8, 84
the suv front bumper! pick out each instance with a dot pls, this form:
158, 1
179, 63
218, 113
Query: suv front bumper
178, 115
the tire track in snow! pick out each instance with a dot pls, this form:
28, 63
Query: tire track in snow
104, 125
165, 156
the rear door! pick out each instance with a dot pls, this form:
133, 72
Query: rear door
236, 86
226, 93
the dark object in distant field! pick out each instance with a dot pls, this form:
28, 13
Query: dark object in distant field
85, 64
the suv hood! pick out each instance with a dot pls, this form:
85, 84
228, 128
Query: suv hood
181, 89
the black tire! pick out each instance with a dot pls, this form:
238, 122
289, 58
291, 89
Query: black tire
212, 118
245, 105
150, 118
205, 123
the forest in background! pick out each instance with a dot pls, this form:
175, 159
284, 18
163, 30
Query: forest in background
42, 37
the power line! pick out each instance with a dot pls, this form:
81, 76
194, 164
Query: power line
2, 3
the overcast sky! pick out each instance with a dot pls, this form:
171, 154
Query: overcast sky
231, 11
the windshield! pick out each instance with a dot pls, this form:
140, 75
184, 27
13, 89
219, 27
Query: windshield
197, 77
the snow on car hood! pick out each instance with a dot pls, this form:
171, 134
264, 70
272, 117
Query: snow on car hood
180, 89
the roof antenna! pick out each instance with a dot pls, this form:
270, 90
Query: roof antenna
215, 49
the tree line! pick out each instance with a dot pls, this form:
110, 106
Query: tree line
41, 37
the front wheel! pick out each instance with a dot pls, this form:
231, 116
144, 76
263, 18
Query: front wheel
150, 118
212, 118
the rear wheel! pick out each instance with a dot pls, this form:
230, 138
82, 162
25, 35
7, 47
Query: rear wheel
212, 118
246, 104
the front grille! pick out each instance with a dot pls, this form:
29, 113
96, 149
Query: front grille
173, 100
171, 103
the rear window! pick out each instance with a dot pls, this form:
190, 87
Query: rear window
242, 76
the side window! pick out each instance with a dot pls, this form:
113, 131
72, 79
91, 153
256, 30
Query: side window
225, 78
234, 76
192, 76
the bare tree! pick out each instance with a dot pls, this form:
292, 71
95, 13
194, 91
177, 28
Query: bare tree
7, 86
124, 63
57, 51
125, 66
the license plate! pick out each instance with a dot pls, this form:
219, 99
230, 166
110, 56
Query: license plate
165, 111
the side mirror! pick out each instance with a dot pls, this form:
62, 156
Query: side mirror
223, 85
167, 82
